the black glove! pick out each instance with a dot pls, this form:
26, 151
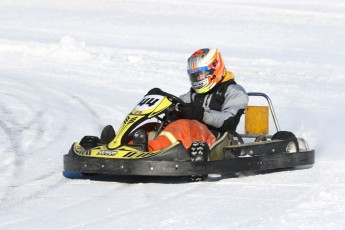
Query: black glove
192, 112
156, 91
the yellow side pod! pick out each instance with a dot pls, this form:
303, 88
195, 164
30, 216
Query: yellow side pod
256, 120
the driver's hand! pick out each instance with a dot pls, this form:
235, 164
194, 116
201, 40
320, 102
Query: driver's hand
191, 111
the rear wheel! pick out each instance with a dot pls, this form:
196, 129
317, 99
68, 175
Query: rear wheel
199, 152
260, 138
291, 142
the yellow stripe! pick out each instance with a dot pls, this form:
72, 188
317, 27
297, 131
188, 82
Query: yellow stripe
169, 136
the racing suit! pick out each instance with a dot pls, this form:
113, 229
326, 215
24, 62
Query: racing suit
222, 106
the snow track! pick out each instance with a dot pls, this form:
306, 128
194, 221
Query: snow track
34, 125
69, 68
26, 124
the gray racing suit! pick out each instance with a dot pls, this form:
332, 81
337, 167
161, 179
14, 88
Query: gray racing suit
223, 106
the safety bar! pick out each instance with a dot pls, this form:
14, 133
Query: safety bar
256, 94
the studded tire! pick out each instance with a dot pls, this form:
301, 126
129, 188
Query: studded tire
88, 142
199, 152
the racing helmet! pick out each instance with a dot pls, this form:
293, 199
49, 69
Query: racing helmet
205, 69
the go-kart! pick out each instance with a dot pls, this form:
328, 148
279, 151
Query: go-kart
229, 154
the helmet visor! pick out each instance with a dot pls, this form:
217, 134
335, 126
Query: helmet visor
200, 75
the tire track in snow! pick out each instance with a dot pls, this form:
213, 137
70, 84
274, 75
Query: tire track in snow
138, 208
12, 203
15, 131
288, 195
85, 105
62, 209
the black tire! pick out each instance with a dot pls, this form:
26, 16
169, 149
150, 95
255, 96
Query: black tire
291, 142
260, 138
107, 135
199, 152
88, 142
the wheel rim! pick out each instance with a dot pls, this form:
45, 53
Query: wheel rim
291, 147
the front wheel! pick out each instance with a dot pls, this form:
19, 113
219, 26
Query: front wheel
89, 142
291, 142
199, 152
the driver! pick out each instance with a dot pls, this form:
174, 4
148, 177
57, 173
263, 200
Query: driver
213, 105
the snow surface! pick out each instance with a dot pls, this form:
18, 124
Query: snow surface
67, 68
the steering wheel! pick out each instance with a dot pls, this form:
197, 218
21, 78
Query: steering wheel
176, 101
173, 98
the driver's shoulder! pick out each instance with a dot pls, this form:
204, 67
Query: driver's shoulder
186, 97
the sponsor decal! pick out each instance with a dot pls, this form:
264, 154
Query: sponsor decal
107, 153
219, 93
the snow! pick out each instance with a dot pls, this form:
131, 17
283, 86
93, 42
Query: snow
68, 68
